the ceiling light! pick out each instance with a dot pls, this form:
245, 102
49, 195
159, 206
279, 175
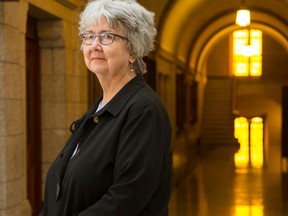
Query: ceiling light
243, 17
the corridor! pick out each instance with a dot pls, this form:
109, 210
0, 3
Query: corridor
216, 188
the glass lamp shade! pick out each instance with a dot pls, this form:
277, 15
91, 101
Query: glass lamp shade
243, 17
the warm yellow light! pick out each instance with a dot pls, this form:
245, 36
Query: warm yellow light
241, 132
241, 210
247, 52
252, 210
241, 69
250, 139
256, 142
255, 69
241, 159
243, 17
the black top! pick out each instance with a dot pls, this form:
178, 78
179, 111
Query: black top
123, 167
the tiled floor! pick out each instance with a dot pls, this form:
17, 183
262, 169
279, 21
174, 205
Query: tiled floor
216, 188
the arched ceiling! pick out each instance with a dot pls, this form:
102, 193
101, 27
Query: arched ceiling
189, 27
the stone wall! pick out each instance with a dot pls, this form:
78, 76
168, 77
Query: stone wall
64, 86
12, 110
63, 92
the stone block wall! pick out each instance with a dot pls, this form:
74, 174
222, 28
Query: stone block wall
63, 86
13, 199
64, 92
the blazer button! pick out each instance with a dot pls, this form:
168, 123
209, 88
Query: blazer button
57, 191
73, 126
96, 119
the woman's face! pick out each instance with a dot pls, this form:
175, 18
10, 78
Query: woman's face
106, 60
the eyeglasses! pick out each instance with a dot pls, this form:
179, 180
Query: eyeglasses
104, 39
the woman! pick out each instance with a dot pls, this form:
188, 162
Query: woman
117, 161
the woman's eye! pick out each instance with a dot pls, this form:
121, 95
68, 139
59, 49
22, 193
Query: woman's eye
107, 36
89, 36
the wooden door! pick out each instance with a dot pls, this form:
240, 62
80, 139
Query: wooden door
33, 117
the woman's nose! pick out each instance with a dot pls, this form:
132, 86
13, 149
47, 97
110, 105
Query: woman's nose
96, 40
96, 44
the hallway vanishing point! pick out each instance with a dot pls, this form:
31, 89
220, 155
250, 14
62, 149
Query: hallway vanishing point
217, 188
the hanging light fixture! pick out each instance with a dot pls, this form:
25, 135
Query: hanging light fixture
243, 15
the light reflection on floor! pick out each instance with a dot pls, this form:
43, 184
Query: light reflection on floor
216, 188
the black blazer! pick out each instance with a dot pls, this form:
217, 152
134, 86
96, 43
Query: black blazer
123, 166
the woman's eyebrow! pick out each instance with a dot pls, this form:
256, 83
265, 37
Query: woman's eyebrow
101, 32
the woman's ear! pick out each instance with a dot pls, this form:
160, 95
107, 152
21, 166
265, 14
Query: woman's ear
131, 59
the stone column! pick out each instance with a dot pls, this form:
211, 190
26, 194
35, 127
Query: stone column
13, 199
64, 85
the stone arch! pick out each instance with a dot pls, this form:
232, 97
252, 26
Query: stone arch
273, 27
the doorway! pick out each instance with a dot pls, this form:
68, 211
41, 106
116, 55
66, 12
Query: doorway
33, 90
285, 123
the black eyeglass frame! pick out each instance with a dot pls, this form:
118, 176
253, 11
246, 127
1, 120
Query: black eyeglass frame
102, 35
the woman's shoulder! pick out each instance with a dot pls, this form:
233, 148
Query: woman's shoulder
146, 98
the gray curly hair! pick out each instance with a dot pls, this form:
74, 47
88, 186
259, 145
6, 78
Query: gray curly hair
129, 16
